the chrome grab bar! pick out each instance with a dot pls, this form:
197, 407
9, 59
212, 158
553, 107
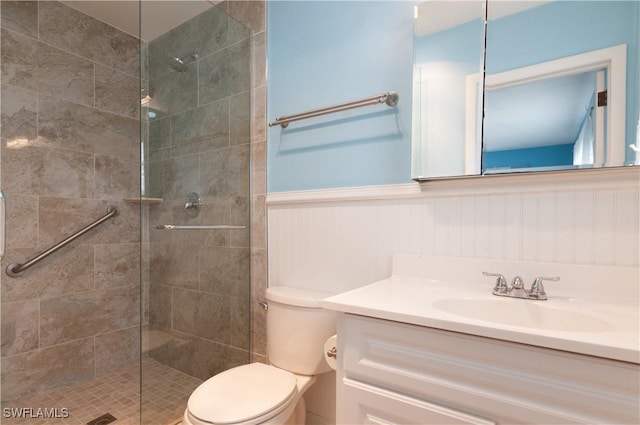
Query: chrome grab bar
195, 227
390, 98
15, 269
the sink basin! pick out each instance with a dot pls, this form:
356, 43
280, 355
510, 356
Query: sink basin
524, 313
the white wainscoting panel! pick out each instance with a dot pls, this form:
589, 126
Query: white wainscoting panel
340, 240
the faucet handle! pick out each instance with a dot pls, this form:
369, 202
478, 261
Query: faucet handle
501, 283
537, 288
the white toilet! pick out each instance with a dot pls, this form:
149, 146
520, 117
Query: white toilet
297, 328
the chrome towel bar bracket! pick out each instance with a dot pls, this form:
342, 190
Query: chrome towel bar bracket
15, 269
390, 98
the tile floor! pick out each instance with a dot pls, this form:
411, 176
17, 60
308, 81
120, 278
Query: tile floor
164, 396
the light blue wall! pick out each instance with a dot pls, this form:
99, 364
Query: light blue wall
543, 156
322, 53
564, 28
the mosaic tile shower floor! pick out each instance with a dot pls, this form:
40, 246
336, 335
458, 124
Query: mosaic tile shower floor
164, 396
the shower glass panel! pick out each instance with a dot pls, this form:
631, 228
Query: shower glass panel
70, 148
196, 96
126, 320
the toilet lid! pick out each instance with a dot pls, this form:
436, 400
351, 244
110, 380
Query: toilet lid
242, 393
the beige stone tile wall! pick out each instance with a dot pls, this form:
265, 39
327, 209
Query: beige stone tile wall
69, 148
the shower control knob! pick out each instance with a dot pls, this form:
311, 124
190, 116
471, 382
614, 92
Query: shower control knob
193, 204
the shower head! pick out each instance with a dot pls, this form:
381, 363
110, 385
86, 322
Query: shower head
177, 64
180, 64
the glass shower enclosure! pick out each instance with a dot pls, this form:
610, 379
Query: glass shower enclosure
196, 130
145, 135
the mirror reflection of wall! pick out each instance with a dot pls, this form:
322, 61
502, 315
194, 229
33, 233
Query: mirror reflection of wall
557, 123
448, 47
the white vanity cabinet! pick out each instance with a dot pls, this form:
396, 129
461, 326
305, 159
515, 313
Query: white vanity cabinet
396, 373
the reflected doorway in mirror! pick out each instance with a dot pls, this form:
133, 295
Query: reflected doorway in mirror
581, 77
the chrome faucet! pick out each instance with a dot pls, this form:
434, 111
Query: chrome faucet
517, 290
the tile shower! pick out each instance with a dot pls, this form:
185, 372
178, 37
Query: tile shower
127, 319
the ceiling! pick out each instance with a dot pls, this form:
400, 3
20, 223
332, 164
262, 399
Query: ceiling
543, 113
438, 15
158, 16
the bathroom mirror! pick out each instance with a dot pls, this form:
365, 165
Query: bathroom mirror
560, 91
448, 62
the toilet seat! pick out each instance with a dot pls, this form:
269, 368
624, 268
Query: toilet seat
245, 394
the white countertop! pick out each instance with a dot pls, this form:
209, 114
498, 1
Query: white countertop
562, 322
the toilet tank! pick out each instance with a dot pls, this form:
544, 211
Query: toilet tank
297, 328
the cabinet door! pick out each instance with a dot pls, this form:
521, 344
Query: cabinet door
509, 382
371, 405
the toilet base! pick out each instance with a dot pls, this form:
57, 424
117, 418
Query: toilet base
299, 415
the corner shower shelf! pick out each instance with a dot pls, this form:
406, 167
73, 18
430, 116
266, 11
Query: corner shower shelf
143, 200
